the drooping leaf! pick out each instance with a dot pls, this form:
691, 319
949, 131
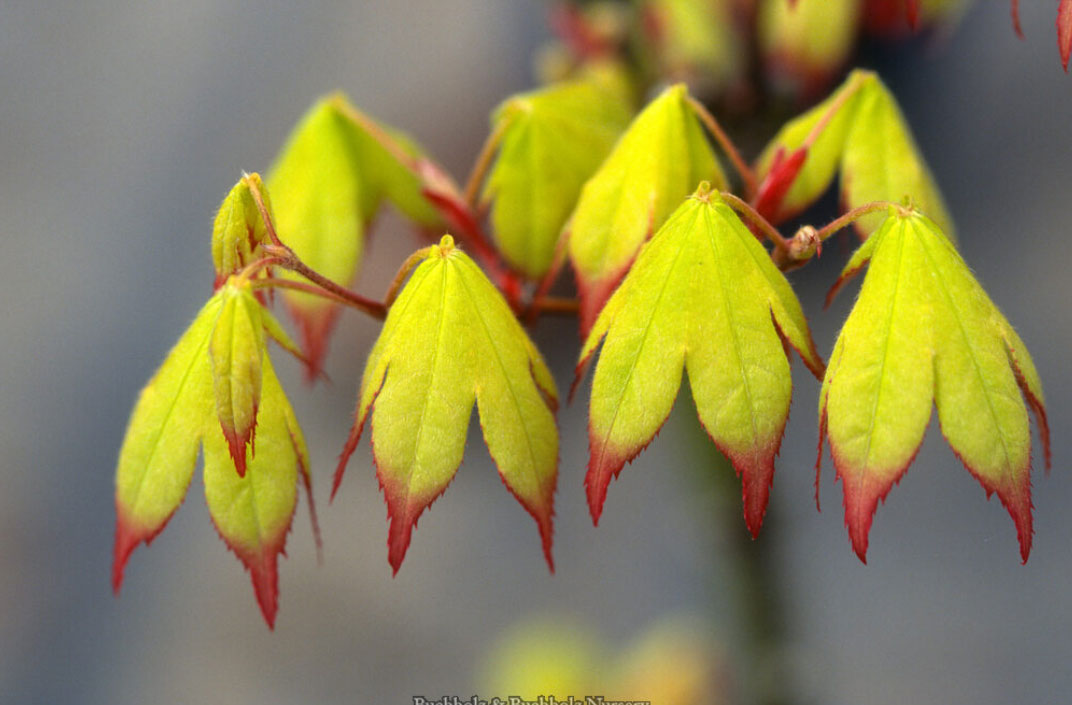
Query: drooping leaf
253, 513
859, 130
328, 183
693, 42
553, 139
923, 330
239, 231
449, 340
1064, 32
703, 295
806, 43
658, 161
236, 349
206, 381
159, 450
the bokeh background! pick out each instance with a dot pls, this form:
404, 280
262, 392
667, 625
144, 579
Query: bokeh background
123, 124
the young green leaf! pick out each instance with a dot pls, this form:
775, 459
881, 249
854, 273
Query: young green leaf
657, 162
449, 340
235, 349
859, 130
239, 231
703, 295
923, 330
807, 42
253, 513
329, 181
553, 139
159, 450
693, 42
212, 384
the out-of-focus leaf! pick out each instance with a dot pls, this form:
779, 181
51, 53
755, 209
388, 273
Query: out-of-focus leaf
656, 163
860, 130
806, 43
253, 513
159, 450
328, 183
693, 42
553, 140
923, 331
703, 295
1064, 32
239, 231
897, 18
450, 339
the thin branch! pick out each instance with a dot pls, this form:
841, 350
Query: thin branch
837, 104
348, 111
747, 175
312, 289
483, 163
289, 260
258, 199
396, 284
742, 207
553, 305
852, 216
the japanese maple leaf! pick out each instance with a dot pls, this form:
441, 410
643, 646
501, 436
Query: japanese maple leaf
923, 332
451, 340
703, 296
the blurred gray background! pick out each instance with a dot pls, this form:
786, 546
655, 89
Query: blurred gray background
123, 124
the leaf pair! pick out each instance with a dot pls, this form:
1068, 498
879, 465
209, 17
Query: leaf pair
451, 340
551, 141
703, 295
239, 232
214, 388
924, 332
655, 164
860, 131
328, 183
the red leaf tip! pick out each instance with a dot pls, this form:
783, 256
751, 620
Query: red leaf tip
1064, 32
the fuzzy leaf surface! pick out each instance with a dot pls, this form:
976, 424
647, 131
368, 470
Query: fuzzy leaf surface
655, 164
860, 131
236, 349
702, 296
923, 331
238, 230
451, 340
253, 513
160, 447
553, 141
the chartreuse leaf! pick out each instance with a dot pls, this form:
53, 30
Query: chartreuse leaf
807, 41
553, 139
236, 349
253, 513
657, 162
328, 182
860, 130
924, 330
159, 450
695, 42
703, 295
449, 340
214, 385
239, 231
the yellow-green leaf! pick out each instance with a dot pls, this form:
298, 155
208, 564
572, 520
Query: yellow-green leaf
806, 42
449, 340
703, 295
236, 349
239, 231
656, 163
694, 42
253, 513
159, 450
860, 130
922, 331
553, 139
320, 203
